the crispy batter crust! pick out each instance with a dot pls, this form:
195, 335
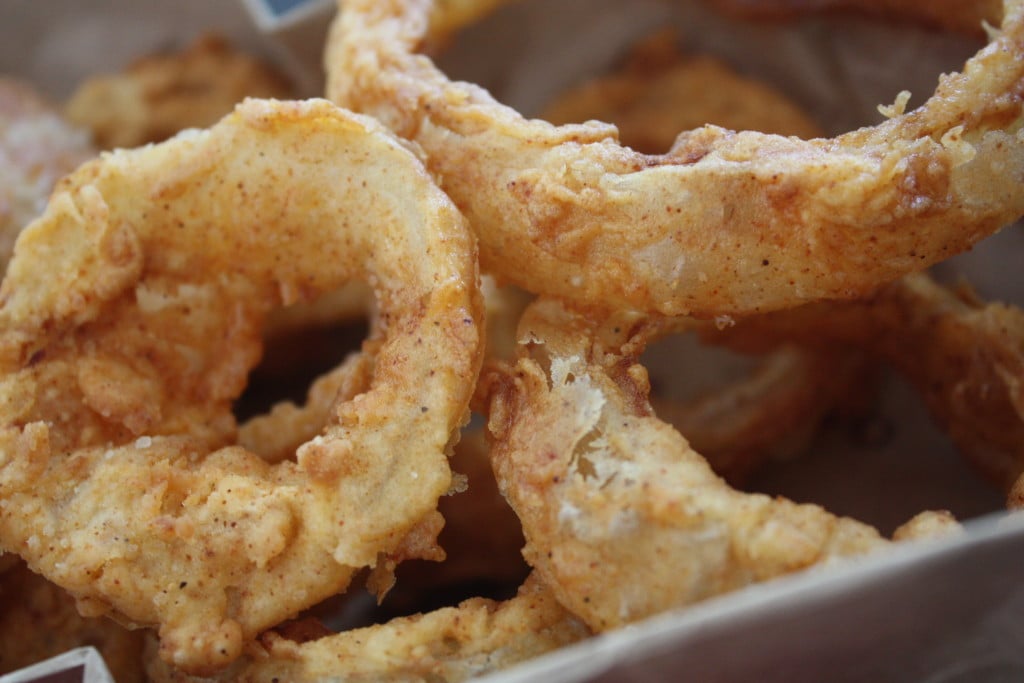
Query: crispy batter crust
622, 518
959, 15
964, 356
121, 479
38, 620
723, 223
37, 147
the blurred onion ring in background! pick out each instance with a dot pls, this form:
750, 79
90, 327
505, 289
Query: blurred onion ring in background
451, 644
122, 480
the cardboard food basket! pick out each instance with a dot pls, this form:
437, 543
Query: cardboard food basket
951, 610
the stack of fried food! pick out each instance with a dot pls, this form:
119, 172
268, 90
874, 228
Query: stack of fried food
509, 267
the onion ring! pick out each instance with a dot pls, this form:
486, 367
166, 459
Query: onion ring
450, 644
623, 519
120, 479
725, 223
776, 409
37, 147
965, 357
38, 620
159, 95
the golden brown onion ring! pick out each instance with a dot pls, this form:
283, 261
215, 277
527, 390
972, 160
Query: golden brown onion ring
37, 147
482, 537
964, 356
450, 644
723, 223
928, 525
129, 319
622, 518
777, 407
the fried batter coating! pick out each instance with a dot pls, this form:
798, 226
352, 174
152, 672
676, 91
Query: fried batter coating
451, 15
482, 537
159, 95
37, 147
38, 620
276, 434
724, 223
623, 519
450, 644
129, 319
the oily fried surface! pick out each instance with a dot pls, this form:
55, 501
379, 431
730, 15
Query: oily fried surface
37, 147
38, 620
723, 223
482, 538
622, 518
159, 95
451, 644
123, 481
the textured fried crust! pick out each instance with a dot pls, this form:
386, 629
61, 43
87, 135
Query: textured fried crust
658, 92
451, 644
725, 222
622, 518
277, 434
121, 479
36, 148
352, 302
958, 15
38, 620
159, 95
965, 357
